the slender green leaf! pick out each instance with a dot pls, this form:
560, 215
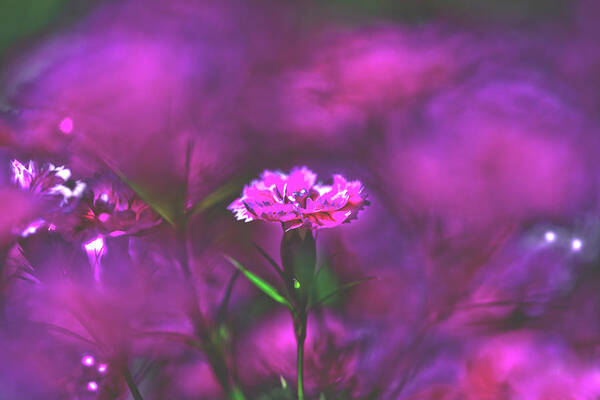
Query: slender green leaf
161, 209
318, 272
225, 301
135, 391
270, 260
324, 282
341, 289
23, 278
164, 210
67, 332
87, 327
266, 287
219, 195
172, 336
189, 149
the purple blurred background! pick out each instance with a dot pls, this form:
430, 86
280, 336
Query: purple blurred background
472, 124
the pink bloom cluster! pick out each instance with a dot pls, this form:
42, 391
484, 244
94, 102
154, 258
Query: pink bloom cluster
49, 182
113, 209
297, 201
101, 207
46, 180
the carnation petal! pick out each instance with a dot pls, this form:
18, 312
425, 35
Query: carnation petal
295, 200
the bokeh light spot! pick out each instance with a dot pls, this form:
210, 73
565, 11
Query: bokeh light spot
92, 386
66, 125
87, 360
550, 236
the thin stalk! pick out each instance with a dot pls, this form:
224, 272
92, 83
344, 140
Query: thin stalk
213, 352
300, 328
131, 384
236, 394
300, 369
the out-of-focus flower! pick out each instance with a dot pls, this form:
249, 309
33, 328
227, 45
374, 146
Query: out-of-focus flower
133, 129
297, 201
506, 368
498, 155
330, 353
19, 208
47, 180
95, 249
113, 209
347, 79
33, 227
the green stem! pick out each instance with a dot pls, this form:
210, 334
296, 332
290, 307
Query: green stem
300, 328
300, 370
135, 392
213, 352
236, 394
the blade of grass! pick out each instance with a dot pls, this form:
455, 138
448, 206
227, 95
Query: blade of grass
161, 209
135, 392
340, 290
269, 259
67, 332
173, 336
87, 327
189, 148
217, 196
263, 285
225, 301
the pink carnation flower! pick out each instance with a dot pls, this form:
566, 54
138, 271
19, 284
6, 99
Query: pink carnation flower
297, 201
46, 180
50, 182
113, 209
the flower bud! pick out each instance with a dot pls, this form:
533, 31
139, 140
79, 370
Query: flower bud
298, 257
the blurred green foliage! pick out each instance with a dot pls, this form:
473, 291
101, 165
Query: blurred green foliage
326, 283
417, 11
277, 393
23, 19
